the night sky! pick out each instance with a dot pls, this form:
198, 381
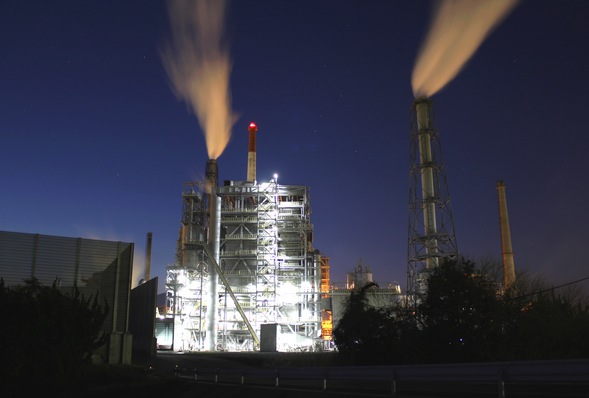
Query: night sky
95, 143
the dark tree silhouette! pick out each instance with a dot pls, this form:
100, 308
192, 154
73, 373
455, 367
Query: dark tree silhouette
461, 315
465, 316
547, 326
48, 336
369, 335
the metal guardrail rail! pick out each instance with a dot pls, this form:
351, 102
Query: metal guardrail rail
564, 378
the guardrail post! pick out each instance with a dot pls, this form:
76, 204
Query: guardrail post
325, 380
242, 377
276, 378
394, 384
195, 375
501, 385
216, 375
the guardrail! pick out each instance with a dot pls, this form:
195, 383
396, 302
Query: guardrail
568, 378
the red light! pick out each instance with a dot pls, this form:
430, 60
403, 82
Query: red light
253, 127
252, 124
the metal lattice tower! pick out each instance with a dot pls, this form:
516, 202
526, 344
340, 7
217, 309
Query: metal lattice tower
431, 236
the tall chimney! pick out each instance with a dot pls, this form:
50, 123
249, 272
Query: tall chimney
423, 109
506, 249
148, 257
212, 175
251, 153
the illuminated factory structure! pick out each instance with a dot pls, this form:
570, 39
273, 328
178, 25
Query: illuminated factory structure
246, 275
431, 236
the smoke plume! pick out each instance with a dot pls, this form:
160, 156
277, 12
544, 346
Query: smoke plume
197, 61
456, 31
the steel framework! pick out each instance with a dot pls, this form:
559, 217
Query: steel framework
431, 235
269, 271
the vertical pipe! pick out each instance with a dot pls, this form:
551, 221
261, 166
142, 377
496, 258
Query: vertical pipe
506, 249
148, 257
423, 107
213, 242
251, 153
212, 309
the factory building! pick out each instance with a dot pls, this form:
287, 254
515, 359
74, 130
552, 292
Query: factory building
258, 273
380, 295
246, 275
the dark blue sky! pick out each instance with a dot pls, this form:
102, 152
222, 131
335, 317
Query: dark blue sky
94, 143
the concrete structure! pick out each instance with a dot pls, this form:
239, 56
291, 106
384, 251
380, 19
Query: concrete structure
383, 295
506, 248
377, 297
361, 276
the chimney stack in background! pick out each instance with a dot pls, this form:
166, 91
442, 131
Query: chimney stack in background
148, 257
506, 249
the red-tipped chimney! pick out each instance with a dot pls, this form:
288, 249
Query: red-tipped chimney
251, 153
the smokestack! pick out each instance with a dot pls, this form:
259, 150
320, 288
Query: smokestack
148, 257
423, 107
506, 249
251, 153
212, 175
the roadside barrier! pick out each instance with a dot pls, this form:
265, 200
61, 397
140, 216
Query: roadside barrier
498, 379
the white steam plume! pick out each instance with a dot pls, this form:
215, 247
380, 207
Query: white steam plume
457, 30
198, 64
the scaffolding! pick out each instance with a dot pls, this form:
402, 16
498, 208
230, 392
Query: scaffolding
269, 272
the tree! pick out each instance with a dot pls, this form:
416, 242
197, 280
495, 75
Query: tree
369, 335
357, 334
465, 316
545, 323
48, 335
461, 314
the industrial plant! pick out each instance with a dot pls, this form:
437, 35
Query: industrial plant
246, 275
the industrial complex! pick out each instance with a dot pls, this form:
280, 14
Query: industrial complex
247, 276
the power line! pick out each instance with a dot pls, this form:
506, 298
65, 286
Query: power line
551, 288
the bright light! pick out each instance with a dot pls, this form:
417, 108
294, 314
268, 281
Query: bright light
306, 315
287, 293
306, 286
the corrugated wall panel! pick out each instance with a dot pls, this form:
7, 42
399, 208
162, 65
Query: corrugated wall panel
56, 259
16, 257
96, 266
